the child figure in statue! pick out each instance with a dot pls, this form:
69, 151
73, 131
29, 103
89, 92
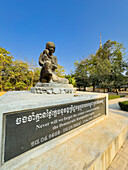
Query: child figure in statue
48, 62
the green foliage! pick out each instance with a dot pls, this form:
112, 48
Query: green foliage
5, 65
114, 52
124, 105
19, 73
16, 74
20, 85
71, 80
36, 75
105, 69
99, 69
8, 86
81, 73
60, 72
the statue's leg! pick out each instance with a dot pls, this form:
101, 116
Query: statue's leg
42, 76
48, 71
49, 78
47, 67
55, 77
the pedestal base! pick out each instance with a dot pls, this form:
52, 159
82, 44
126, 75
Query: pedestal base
52, 88
36, 130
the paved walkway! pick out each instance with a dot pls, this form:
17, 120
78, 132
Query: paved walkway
120, 162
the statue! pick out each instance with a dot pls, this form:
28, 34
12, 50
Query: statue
48, 62
49, 82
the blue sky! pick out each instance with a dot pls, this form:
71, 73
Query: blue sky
73, 25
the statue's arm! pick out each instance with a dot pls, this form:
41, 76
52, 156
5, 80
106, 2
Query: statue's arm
41, 63
55, 62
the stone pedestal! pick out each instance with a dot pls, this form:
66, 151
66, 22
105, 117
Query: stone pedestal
34, 125
52, 88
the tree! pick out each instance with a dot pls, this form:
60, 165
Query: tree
5, 65
81, 73
8, 86
20, 85
104, 69
36, 76
99, 70
32, 67
16, 74
71, 79
60, 72
19, 73
115, 52
107, 66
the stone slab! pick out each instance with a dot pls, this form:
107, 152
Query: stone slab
17, 101
20, 100
28, 129
54, 85
52, 88
93, 148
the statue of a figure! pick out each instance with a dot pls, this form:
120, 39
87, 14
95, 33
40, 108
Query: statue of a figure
48, 62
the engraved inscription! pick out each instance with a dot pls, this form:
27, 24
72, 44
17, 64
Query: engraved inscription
27, 129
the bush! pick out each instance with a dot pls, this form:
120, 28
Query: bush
124, 105
122, 95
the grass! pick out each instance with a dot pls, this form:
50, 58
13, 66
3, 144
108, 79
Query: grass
124, 105
110, 97
1, 93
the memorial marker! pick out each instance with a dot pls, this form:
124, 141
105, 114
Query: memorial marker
24, 130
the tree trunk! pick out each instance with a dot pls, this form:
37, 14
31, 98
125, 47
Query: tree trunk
104, 90
108, 89
93, 88
117, 91
84, 88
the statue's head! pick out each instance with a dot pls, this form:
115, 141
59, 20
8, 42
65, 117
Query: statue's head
50, 46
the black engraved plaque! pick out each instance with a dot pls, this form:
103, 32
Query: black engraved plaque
27, 129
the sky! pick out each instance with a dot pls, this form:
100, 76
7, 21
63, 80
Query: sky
73, 25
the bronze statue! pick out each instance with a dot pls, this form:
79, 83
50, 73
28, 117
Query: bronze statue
48, 62
50, 83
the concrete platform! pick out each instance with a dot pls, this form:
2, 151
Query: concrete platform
93, 147
15, 104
